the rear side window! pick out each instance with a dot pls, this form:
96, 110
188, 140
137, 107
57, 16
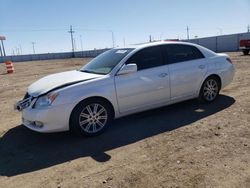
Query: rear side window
179, 53
147, 58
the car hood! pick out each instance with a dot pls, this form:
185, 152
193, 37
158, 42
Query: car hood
58, 80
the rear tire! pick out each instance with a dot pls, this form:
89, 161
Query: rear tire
209, 90
90, 117
246, 52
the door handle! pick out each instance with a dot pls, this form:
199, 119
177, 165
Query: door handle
162, 75
201, 66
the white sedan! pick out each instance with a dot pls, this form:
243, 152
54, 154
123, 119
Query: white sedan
124, 81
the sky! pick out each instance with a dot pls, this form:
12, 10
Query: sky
46, 23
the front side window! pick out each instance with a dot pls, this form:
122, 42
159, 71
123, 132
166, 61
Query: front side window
180, 52
147, 58
104, 63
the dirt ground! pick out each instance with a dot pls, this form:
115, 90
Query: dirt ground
182, 145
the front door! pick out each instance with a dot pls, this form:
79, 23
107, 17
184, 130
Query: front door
146, 87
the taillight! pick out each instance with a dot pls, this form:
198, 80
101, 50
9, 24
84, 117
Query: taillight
242, 42
229, 60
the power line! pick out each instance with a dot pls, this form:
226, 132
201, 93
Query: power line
100, 30
31, 30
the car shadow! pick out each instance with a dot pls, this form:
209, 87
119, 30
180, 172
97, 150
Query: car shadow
22, 150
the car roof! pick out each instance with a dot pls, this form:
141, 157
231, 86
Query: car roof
149, 44
136, 47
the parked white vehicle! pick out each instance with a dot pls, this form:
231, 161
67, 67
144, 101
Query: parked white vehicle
124, 81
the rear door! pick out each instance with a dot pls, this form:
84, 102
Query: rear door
187, 68
146, 87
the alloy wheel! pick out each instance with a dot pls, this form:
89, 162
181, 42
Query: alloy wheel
93, 118
210, 89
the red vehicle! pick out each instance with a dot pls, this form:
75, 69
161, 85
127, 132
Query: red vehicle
245, 46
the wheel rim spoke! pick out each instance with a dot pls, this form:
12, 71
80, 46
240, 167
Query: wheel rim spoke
206, 88
95, 108
84, 115
100, 123
83, 122
101, 111
94, 127
88, 126
89, 109
102, 117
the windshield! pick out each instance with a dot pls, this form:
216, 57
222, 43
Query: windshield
104, 63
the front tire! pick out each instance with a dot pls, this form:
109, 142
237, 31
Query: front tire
90, 117
209, 90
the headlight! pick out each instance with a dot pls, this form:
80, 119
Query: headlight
46, 100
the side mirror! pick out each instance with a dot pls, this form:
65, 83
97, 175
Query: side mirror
126, 69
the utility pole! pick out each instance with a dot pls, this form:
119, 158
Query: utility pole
33, 46
124, 42
2, 38
161, 36
3, 48
4, 54
187, 32
75, 47
72, 41
1, 51
248, 28
21, 50
113, 38
17, 51
150, 38
220, 30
